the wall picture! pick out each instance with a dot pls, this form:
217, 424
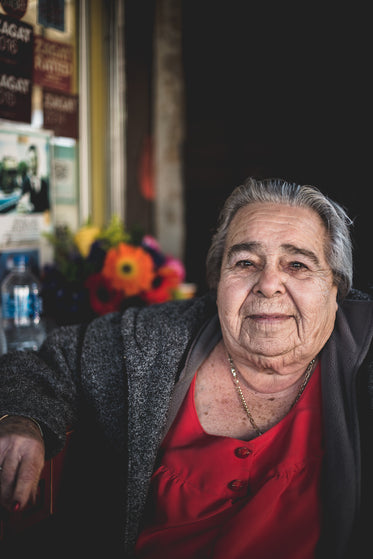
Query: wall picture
25, 185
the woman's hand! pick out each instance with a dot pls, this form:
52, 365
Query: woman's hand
21, 461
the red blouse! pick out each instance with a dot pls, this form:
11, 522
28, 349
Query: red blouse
223, 498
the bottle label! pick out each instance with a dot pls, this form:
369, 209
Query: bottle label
23, 306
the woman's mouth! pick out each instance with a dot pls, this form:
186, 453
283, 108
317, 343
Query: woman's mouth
269, 317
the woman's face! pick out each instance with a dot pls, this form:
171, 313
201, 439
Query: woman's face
276, 295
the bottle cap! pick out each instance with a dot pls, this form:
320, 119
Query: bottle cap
20, 260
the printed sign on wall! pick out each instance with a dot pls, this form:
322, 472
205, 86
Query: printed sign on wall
15, 8
51, 13
24, 171
61, 113
16, 60
53, 64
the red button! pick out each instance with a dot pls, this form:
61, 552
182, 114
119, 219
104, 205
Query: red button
242, 452
237, 484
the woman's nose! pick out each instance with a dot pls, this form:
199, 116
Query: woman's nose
270, 282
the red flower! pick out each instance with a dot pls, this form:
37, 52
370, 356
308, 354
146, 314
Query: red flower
103, 298
164, 283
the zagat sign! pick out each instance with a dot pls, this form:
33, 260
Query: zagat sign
15, 8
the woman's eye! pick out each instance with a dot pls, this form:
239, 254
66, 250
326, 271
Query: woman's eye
297, 266
244, 263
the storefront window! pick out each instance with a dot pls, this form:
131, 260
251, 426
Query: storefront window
39, 121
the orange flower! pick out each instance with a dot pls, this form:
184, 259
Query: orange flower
129, 269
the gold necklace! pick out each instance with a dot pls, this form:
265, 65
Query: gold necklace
236, 381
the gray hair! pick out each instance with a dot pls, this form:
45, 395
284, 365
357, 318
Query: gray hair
338, 250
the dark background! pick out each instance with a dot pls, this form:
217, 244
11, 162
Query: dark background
276, 90
272, 89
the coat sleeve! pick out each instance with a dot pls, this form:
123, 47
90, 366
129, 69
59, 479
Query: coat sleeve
44, 384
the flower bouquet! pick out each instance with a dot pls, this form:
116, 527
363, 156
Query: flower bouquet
97, 271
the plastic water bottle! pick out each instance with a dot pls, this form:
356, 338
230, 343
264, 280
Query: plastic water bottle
21, 307
2, 336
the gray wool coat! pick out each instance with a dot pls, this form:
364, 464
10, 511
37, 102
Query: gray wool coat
119, 381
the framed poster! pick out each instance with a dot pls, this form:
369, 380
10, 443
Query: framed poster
25, 185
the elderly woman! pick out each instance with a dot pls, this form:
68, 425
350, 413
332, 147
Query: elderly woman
233, 425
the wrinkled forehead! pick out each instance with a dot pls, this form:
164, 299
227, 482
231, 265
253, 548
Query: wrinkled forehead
275, 225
